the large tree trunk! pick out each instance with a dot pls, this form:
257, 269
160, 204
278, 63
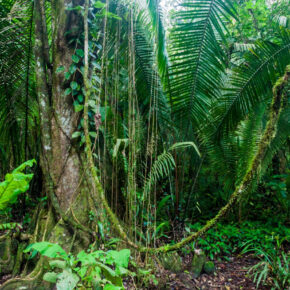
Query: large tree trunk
66, 177
67, 180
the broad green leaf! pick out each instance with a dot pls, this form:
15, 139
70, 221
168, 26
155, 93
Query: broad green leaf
50, 277
74, 85
47, 249
112, 287
80, 98
75, 58
29, 163
72, 68
76, 134
80, 52
67, 280
162, 203
86, 258
14, 184
60, 69
120, 258
67, 91
78, 108
99, 4
92, 103
58, 264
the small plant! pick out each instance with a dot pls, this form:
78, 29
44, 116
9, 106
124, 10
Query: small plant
273, 269
15, 183
96, 270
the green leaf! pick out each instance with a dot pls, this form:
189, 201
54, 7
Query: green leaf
92, 103
99, 4
75, 58
162, 203
47, 249
10, 226
112, 287
80, 52
21, 167
198, 57
67, 280
50, 277
74, 85
78, 107
110, 274
76, 135
67, 91
58, 264
80, 98
14, 184
93, 134
97, 66
60, 69
120, 258
181, 145
100, 225
67, 75
72, 68
75, 8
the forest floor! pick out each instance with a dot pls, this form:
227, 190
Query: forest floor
229, 275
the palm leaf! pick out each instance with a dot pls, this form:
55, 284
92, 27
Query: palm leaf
251, 82
197, 56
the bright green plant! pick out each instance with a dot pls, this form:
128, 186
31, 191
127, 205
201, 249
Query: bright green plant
273, 269
98, 269
14, 184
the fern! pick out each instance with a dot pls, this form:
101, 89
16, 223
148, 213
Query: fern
165, 163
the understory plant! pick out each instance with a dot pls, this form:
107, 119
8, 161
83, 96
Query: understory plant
15, 183
226, 240
273, 268
86, 270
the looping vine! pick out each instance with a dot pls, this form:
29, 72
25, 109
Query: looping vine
241, 189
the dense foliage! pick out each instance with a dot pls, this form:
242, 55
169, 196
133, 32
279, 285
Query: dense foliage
146, 120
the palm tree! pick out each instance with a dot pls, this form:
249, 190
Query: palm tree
185, 86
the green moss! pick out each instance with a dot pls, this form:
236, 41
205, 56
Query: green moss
209, 267
198, 262
171, 261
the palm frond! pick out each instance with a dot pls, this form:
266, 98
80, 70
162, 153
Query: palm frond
197, 56
251, 82
18, 111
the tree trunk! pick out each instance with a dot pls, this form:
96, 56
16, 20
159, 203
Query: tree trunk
67, 181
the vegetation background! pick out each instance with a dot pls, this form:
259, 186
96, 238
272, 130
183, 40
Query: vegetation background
156, 126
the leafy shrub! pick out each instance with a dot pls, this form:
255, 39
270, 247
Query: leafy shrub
98, 269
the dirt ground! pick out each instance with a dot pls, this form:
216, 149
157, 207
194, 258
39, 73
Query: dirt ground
229, 275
